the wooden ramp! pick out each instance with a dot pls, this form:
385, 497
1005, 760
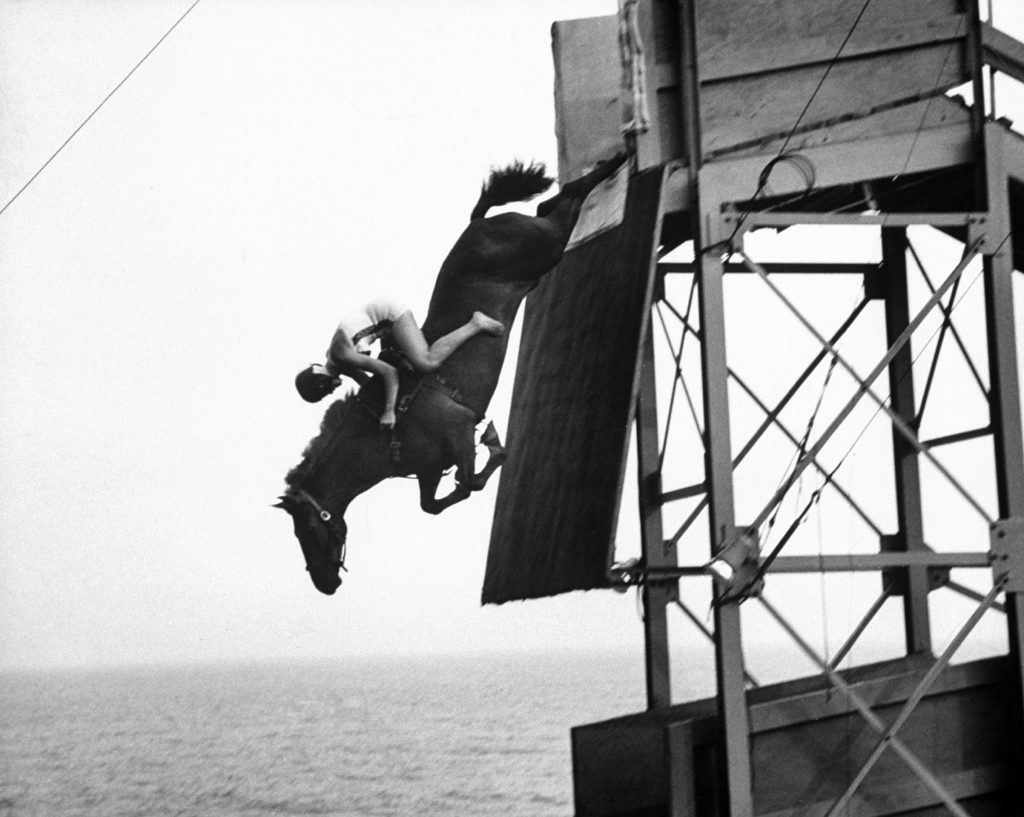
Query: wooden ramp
572, 407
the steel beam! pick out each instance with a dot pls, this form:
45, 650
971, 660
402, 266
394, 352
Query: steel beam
732, 704
910, 518
1002, 52
858, 562
857, 631
657, 595
847, 563
1004, 397
775, 218
781, 268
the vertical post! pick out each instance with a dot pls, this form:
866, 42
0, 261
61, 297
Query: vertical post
656, 552
1004, 389
732, 699
735, 767
915, 581
976, 65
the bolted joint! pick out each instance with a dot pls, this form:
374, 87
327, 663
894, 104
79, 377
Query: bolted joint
1007, 553
895, 578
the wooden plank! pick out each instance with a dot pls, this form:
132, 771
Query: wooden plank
682, 795
913, 117
728, 60
741, 110
798, 701
910, 795
730, 29
736, 179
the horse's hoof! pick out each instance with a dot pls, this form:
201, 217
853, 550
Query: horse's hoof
498, 458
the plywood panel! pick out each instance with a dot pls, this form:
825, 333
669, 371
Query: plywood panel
558, 499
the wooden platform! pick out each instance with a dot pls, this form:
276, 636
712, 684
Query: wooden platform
807, 742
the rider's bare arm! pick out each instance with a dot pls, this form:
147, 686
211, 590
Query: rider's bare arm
389, 375
343, 359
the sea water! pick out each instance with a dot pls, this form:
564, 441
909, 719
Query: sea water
482, 735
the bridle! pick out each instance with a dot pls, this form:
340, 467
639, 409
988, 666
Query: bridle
328, 518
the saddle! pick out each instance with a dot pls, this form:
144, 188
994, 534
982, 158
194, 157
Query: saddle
371, 394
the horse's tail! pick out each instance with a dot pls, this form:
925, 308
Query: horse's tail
517, 182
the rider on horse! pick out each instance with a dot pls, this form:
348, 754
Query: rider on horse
393, 324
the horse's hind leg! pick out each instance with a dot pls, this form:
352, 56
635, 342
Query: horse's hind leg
465, 457
428, 488
496, 453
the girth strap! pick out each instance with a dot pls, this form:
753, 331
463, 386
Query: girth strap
438, 384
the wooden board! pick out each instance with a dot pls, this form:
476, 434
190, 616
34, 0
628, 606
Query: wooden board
764, 105
588, 114
572, 407
759, 63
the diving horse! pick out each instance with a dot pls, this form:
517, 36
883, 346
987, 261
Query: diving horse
492, 266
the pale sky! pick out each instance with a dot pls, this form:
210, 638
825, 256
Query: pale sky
269, 166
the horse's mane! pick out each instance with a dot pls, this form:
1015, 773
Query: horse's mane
333, 419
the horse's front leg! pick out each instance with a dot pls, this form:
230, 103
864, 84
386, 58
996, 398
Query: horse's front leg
428, 488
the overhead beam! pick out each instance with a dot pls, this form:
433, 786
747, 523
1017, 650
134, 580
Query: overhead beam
1002, 52
786, 267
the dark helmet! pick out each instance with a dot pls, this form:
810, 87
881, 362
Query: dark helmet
313, 386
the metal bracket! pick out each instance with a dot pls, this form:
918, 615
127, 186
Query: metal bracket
1007, 537
977, 230
623, 575
737, 564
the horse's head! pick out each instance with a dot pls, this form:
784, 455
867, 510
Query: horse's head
321, 535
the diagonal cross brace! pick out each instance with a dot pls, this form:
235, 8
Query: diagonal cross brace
901, 749
771, 417
864, 386
889, 736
